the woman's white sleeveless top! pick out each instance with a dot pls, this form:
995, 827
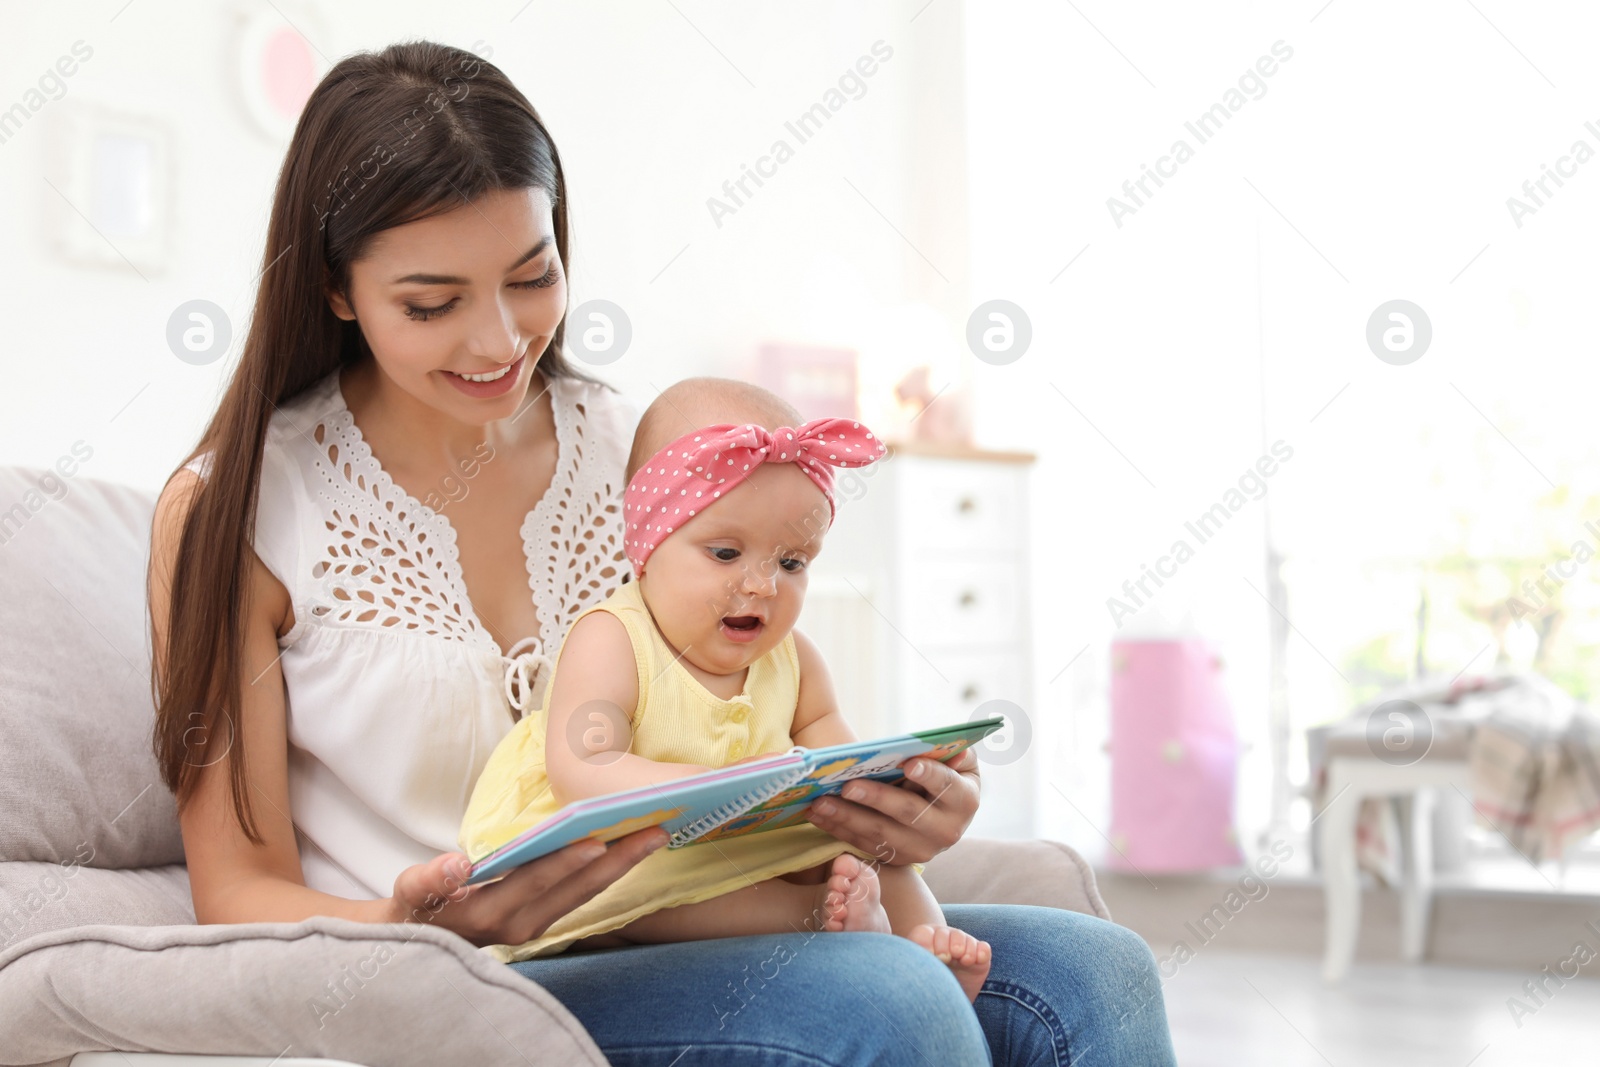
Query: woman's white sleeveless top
396, 693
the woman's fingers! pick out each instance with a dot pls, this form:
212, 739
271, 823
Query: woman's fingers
594, 875
936, 791
549, 871
964, 763
952, 787
555, 892
427, 886
871, 832
915, 820
967, 761
522, 904
901, 805
494, 912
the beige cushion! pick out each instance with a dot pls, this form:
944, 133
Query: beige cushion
263, 988
78, 781
36, 898
978, 870
400, 995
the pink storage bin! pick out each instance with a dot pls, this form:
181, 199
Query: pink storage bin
1174, 758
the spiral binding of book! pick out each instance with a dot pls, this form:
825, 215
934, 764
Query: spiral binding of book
734, 808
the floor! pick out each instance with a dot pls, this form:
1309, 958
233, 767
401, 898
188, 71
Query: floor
1474, 925
1247, 1009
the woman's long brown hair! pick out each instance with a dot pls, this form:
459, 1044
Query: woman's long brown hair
386, 138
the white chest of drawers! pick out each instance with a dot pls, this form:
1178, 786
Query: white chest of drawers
919, 602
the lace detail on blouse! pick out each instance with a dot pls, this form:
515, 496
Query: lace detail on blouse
575, 532
391, 561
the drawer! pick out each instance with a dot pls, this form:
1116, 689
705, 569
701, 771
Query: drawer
956, 600
1010, 778
969, 679
961, 504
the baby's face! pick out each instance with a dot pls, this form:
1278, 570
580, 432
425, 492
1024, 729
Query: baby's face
726, 586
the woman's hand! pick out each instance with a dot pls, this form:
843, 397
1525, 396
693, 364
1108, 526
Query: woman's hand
523, 904
910, 821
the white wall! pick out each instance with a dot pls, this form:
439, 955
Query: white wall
1377, 165
650, 120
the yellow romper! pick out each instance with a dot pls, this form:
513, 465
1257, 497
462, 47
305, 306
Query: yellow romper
677, 720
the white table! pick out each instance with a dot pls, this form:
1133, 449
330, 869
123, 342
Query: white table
1352, 779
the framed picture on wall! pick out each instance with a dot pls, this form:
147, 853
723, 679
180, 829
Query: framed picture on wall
819, 381
113, 173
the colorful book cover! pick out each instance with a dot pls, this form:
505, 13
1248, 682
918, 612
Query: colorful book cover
732, 801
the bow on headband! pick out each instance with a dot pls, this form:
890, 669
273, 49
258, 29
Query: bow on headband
694, 470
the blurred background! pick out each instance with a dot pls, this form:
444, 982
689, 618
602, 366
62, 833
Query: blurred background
1238, 365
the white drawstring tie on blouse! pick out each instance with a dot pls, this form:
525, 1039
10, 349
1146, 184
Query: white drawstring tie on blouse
523, 668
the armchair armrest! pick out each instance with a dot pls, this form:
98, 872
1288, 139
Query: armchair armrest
396, 994
978, 870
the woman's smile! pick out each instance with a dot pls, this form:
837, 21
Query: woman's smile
498, 386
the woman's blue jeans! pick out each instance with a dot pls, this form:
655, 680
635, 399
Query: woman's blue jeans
1064, 989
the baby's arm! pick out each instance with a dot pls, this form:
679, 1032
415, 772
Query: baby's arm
592, 701
817, 719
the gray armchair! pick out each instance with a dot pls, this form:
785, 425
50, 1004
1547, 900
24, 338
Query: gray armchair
99, 951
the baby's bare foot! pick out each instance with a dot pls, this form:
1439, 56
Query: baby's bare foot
851, 899
967, 957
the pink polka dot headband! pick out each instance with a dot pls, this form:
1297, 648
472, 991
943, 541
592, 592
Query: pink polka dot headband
694, 470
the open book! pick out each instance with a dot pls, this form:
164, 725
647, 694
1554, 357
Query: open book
732, 801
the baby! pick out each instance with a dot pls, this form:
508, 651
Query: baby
695, 664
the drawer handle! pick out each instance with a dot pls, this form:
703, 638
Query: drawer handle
969, 693
967, 598
966, 505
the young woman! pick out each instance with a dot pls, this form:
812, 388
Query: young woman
405, 497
